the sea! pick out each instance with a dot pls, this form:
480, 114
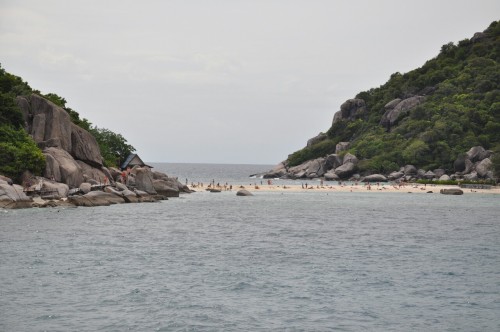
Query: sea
275, 261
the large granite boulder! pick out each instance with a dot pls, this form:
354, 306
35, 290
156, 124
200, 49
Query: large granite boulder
144, 180
243, 192
316, 139
477, 153
93, 173
167, 188
85, 187
316, 168
375, 178
332, 161
61, 190
350, 158
350, 109
130, 196
444, 177
346, 170
395, 109
61, 167
46, 121
410, 170
396, 175
277, 172
331, 176
84, 147
484, 167
96, 198
471, 176
51, 127
13, 197
429, 175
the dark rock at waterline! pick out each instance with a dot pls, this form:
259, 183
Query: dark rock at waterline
96, 198
452, 191
13, 196
243, 192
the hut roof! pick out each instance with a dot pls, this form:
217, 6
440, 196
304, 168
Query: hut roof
130, 158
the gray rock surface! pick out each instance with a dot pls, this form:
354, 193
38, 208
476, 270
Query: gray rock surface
84, 147
85, 187
444, 177
483, 167
395, 111
331, 176
144, 180
61, 188
350, 158
346, 170
243, 192
375, 178
410, 170
13, 197
350, 109
476, 153
62, 167
96, 198
166, 188
332, 161
316, 139
451, 191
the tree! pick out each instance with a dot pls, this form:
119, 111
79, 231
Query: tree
113, 146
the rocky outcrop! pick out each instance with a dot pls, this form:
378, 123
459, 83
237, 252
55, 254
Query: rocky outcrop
342, 146
96, 198
144, 180
84, 147
395, 108
483, 167
350, 110
316, 139
13, 196
62, 142
62, 167
59, 190
346, 170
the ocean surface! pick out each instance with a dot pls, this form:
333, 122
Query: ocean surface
275, 261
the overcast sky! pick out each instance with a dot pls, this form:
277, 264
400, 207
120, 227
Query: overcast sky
223, 81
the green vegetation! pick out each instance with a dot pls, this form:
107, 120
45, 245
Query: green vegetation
114, 147
461, 110
18, 151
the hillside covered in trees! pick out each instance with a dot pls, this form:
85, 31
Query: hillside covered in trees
427, 117
18, 150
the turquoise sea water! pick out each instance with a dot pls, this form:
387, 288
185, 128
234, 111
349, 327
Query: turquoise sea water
275, 261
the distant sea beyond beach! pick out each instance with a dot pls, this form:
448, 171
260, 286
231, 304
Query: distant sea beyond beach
284, 259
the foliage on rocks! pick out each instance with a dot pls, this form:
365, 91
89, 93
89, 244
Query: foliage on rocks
461, 110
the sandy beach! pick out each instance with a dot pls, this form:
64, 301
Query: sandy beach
330, 187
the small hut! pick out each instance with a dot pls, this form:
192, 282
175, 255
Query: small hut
132, 160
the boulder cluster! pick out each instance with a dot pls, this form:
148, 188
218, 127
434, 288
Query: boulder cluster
471, 166
74, 172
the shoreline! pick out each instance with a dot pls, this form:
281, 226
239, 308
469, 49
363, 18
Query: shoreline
361, 188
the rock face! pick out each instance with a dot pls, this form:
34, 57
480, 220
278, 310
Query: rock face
62, 167
144, 180
62, 141
320, 137
397, 107
346, 170
350, 110
13, 197
84, 147
484, 167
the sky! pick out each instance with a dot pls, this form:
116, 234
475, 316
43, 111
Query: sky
223, 81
